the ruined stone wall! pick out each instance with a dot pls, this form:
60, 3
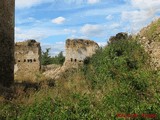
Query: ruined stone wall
79, 49
27, 60
7, 42
149, 37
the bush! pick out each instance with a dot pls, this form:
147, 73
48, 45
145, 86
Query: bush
116, 61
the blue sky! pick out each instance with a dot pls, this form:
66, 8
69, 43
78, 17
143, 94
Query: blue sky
51, 22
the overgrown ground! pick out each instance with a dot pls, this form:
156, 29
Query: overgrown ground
117, 79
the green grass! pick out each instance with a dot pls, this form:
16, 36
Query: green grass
117, 79
152, 33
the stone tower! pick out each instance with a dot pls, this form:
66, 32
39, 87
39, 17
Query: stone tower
7, 42
27, 60
77, 50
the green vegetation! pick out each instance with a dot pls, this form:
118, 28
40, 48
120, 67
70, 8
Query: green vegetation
47, 59
117, 79
122, 68
118, 61
152, 32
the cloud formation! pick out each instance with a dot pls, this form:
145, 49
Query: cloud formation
92, 30
27, 3
93, 1
146, 4
21, 4
58, 20
109, 17
55, 48
91, 19
142, 12
34, 33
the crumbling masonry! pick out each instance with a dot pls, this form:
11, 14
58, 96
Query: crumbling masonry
77, 50
27, 60
149, 37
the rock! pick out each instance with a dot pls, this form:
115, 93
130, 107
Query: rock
150, 39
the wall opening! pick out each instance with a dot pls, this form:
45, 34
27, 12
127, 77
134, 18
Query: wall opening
75, 60
24, 60
34, 60
71, 59
87, 43
19, 61
30, 60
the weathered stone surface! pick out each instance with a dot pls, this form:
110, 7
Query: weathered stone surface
77, 50
27, 60
149, 37
7, 42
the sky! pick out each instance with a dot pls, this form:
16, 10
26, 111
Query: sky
51, 22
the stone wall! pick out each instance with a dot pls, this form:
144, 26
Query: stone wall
149, 37
7, 42
27, 60
77, 50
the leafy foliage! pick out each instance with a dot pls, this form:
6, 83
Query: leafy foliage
117, 61
46, 59
124, 65
118, 79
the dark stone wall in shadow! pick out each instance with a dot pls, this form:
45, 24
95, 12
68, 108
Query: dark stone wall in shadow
7, 12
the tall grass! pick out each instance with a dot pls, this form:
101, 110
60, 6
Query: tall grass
117, 79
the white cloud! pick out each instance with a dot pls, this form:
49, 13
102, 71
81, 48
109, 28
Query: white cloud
27, 3
30, 3
109, 17
114, 26
26, 20
102, 44
142, 12
37, 33
70, 31
55, 48
93, 1
136, 16
92, 30
146, 4
20, 4
34, 33
17, 30
58, 20
77, 37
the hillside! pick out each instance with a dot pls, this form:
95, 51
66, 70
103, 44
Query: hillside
117, 80
149, 37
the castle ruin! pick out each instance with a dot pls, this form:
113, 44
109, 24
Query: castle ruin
7, 42
27, 60
77, 50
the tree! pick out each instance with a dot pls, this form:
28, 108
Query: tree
118, 36
46, 58
61, 58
